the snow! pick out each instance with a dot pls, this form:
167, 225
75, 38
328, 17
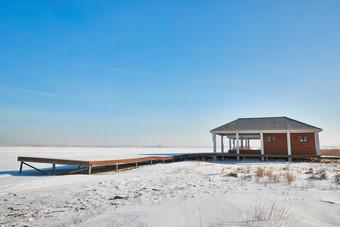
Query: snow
178, 194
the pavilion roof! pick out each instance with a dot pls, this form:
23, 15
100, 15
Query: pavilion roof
263, 124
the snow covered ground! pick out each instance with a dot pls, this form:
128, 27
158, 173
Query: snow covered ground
177, 194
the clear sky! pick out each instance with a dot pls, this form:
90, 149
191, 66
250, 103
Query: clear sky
164, 72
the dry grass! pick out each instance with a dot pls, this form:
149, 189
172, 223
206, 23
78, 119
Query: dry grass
257, 179
287, 168
223, 172
310, 171
319, 175
330, 152
240, 170
337, 178
261, 214
260, 171
289, 177
232, 174
270, 175
323, 174
248, 170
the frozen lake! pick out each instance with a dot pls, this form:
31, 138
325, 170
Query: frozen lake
176, 194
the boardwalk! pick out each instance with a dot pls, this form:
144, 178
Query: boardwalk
86, 166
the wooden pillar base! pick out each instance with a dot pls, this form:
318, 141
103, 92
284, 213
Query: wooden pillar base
238, 158
290, 160
262, 158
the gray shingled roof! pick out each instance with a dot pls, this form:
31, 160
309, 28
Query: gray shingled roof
266, 124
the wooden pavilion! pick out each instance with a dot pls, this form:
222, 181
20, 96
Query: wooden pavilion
279, 136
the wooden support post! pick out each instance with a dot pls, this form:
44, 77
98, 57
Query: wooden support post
262, 144
214, 142
222, 158
214, 158
238, 158
249, 144
136, 164
21, 167
117, 168
90, 168
289, 147
163, 161
317, 143
151, 162
53, 168
288, 144
242, 143
222, 144
237, 144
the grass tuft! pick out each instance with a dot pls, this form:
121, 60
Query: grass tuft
232, 174
289, 177
260, 171
262, 214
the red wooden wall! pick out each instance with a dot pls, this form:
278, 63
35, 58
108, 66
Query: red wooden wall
278, 147
297, 148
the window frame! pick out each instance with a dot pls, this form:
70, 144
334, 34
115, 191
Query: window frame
303, 139
271, 139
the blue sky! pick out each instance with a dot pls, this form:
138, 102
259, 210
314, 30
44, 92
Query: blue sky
164, 72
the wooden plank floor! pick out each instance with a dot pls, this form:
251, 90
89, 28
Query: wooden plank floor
192, 156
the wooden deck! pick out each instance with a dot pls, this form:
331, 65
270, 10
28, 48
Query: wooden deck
87, 165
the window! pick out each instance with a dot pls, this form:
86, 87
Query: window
303, 138
271, 139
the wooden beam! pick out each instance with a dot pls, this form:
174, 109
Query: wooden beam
53, 160
35, 168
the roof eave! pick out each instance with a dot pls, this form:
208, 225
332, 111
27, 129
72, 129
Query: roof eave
265, 131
